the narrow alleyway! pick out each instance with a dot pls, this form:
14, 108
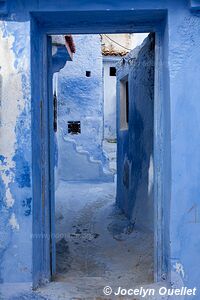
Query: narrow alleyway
97, 240
96, 244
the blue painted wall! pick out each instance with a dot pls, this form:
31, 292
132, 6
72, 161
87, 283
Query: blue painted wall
185, 159
15, 149
80, 98
180, 106
135, 144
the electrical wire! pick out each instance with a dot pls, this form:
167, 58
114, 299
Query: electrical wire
117, 43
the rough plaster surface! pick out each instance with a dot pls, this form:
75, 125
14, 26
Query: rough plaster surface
15, 165
8, 135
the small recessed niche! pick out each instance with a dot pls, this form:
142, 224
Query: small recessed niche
88, 74
112, 71
74, 127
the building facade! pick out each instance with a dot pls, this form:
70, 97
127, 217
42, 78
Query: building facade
114, 47
80, 114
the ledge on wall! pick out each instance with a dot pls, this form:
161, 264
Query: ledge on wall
195, 5
3, 7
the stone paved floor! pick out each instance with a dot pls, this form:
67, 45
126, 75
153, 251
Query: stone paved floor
96, 243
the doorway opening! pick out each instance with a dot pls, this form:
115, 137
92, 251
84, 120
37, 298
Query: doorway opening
107, 228
89, 224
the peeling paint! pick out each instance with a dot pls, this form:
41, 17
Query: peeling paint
15, 148
22, 169
179, 269
9, 109
13, 222
27, 205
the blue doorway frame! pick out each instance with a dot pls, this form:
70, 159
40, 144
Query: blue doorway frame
42, 26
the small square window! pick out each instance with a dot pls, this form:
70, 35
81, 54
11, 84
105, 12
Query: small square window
112, 71
74, 127
88, 74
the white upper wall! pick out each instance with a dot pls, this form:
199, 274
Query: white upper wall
122, 43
